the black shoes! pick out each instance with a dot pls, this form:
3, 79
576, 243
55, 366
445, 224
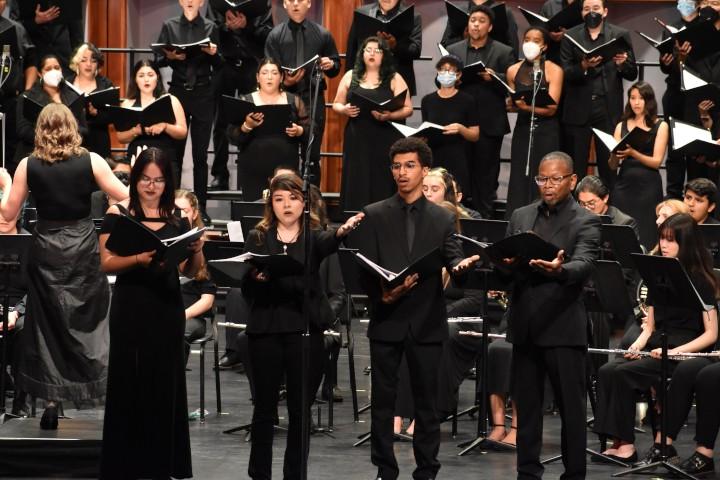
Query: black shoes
654, 455
219, 183
697, 464
229, 361
49, 420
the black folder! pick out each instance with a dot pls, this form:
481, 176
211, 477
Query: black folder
689, 139
31, 108
696, 88
189, 49
276, 118
636, 138
102, 98
400, 26
249, 8
566, 18
702, 35
524, 246
130, 237
276, 265
607, 50
429, 263
125, 118
292, 70
390, 105
663, 46
471, 73
542, 97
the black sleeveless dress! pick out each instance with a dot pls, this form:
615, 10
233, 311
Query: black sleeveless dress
522, 188
65, 338
145, 434
638, 189
366, 175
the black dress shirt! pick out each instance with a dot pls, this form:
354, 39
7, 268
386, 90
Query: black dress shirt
280, 45
238, 46
25, 58
193, 71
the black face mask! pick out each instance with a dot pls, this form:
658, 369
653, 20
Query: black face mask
708, 13
593, 19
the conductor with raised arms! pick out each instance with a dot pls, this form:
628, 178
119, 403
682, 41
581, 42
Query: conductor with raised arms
547, 323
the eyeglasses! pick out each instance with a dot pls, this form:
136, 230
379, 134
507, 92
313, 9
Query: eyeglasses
557, 180
591, 204
370, 50
147, 180
396, 167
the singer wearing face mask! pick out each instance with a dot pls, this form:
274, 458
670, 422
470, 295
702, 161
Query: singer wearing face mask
593, 86
49, 88
533, 72
456, 111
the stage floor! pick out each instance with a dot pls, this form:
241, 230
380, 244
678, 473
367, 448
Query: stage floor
217, 456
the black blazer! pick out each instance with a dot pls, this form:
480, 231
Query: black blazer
618, 217
276, 306
407, 49
489, 96
577, 104
548, 311
382, 237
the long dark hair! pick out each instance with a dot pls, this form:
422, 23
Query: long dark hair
651, 109
167, 198
693, 254
387, 66
133, 92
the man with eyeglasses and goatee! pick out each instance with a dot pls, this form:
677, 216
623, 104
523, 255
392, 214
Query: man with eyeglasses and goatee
547, 323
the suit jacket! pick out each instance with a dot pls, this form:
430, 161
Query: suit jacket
489, 96
548, 311
382, 237
619, 218
577, 90
509, 38
407, 49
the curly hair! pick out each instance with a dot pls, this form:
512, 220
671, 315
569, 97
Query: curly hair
56, 134
95, 54
387, 66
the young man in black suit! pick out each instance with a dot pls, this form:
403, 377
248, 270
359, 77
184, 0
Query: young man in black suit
547, 323
593, 90
489, 94
410, 318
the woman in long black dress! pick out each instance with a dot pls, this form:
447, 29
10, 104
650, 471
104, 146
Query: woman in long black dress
65, 336
456, 111
145, 87
638, 188
546, 137
147, 326
86, 62
263, 151
368, 134
276, 322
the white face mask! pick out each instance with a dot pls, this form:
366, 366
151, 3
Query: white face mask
531, 50
52, 78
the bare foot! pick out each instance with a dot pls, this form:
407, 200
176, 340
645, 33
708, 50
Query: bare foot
626, 450
497, 433
411, 428
397, 425
511, 437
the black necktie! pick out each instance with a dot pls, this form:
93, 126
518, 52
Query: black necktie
299, 44
410, 225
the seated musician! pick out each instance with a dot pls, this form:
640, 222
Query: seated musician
688, 331
700, 196
593, 195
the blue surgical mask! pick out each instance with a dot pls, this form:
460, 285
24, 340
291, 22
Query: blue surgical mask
447, 79
686, 7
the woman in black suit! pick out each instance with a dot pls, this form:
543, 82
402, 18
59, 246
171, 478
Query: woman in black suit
276, 322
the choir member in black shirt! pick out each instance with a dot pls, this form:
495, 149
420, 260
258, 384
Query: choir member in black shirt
404, 50
594, 196
549, 9
701, 196
509, 38
242, 44
293, 43
593, 86
23, 74
490, 100
455, 110
687, 330
191, 83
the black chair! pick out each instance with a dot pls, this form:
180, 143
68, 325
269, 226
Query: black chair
210, 335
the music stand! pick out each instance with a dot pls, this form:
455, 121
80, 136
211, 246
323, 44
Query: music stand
13, 264
619, 242
670, 286
247, 223
239, 209
711, 235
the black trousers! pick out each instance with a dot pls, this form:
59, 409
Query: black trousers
707, 391
271, 356
681, 393
230, 80
422, 360
484, 168
577, 142
195, 328
565, 367
618, 383
199, 106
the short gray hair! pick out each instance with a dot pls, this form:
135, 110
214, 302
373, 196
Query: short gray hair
561, 157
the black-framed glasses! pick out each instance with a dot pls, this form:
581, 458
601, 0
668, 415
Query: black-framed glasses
147, 180
556, 180
371, 50
591, 204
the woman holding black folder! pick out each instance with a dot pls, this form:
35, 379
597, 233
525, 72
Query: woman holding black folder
262, 150
147, 326
276, 320
145, 87
65, 334
638, 188
687, 331
368, 133
546, 136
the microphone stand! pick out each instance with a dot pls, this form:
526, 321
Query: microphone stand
316, 77
537, 79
